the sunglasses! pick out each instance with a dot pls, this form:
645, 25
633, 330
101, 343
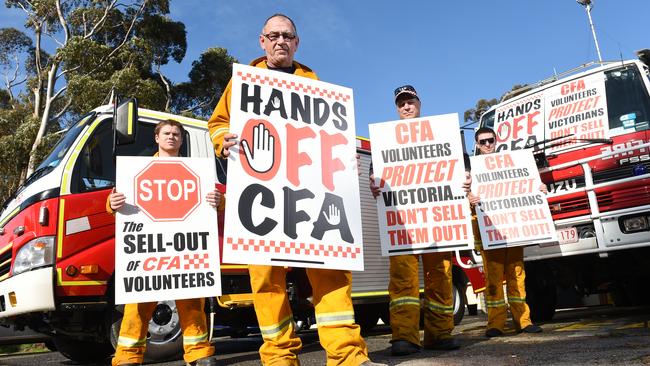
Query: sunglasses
274, 36
488, 141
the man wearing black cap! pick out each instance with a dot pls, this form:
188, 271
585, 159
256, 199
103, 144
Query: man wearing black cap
404, 286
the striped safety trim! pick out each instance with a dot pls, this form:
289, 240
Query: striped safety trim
495, 303
192, 340
437, 307
131, 342
336, 318
405, 301
218, 132
272, 331
516, 299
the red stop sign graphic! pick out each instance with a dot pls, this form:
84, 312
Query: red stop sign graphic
167, 191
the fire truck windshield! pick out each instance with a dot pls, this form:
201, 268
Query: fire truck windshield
59, 151
62, 147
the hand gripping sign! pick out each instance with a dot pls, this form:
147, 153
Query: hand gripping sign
295, 196
513, 210
166, 239
419, 166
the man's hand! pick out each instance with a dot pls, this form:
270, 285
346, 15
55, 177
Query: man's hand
261, 157
358, 164
543, 188
213, 198
468, 182
117, 200
334, 216
374, 189
474, 199
229, 140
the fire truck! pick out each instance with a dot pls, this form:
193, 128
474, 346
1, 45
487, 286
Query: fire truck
589, 132
57, 246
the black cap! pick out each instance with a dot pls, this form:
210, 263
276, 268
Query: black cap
406, 89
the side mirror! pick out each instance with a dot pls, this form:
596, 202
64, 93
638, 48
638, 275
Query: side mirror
125, 118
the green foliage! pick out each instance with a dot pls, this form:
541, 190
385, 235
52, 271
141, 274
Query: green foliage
99, 50
12, 42
4, 100
514, 91
473, 115
166, 38
17, 131
208, 78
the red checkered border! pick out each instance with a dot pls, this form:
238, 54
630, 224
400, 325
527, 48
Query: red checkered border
289, 247
254, 78
195, 261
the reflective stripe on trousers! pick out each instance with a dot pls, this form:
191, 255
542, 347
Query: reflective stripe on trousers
338, 334
508, 263
404, 292
135, 325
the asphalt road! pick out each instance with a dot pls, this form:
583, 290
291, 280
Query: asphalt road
603, 335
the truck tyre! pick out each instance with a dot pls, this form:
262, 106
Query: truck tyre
164, 339
458, 293
541, 292
82, 351
366, 316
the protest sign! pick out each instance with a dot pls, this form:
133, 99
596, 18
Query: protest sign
166, 239
576, 109
419, 165
513, 211
562, 115
293, 192
520, 123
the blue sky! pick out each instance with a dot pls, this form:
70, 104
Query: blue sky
453, 52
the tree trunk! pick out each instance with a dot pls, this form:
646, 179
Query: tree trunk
45, 117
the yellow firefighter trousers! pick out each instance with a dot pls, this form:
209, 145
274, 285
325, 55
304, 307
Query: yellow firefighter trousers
404, 292
135, 324
339, 335
508, 262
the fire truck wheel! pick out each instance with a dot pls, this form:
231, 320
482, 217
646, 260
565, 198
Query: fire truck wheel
459, 302
164, 339
82, 351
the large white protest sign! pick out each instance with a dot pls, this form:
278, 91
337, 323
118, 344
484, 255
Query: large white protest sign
166, 238
513, 210
419, 165
557, 118
293, 194
576, 110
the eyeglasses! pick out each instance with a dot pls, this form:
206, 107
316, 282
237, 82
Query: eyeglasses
488, 141
274, 36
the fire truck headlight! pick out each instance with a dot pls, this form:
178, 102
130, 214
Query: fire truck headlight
36, 253
635, 224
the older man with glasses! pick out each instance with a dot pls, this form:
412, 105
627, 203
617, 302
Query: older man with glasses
502, 262
339, 335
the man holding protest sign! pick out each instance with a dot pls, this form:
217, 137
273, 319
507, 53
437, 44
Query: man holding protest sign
338, 333
404, 286
498, 263
135, 322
